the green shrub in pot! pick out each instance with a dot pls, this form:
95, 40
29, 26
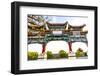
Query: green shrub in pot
49, 55
63, 54
32, 55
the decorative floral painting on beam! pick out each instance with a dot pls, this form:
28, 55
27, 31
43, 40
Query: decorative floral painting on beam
57, 37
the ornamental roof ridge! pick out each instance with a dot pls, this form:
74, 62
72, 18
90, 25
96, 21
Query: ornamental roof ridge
55, 24
81, 26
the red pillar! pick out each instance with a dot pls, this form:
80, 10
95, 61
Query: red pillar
43, 47
70, 46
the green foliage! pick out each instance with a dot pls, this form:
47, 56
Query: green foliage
79, 50
85, 53
63, 54
49, 55
80, 53
32, 55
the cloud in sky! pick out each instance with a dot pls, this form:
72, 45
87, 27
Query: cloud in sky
62, 19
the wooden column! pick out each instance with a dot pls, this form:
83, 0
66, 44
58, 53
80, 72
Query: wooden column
43, 47
70, 46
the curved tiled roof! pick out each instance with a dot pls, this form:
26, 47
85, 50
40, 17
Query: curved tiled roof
56, 24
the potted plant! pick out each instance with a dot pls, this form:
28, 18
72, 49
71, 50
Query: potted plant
63, 54
32, 55
49, 55
80, 53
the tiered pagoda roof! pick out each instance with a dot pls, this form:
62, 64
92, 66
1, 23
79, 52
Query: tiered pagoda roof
56, 26
76, 28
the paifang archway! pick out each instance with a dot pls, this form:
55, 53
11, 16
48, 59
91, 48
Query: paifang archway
57, 31
66, 38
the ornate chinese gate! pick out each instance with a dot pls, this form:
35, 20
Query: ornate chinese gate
68, 33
